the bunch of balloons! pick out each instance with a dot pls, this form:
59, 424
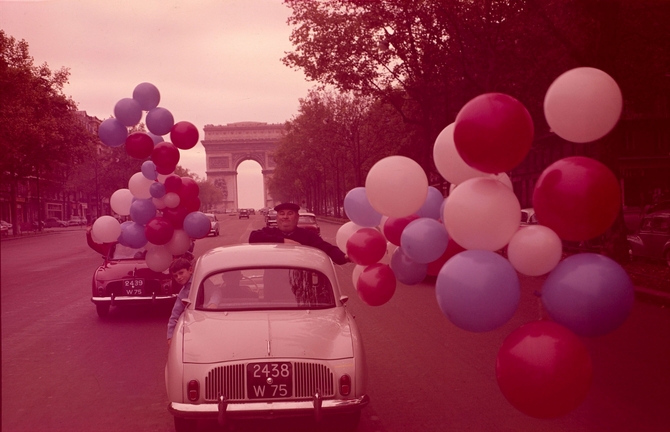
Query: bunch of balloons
163, 207
543, 368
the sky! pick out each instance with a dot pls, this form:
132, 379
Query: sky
213, 61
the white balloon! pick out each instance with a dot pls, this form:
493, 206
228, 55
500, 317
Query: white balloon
139, 186
534, 250
171, 199
158, 259
106, 229
179, 243
120, 201
447, 160
159, 202
343, 234
583, 105
482, 213
504, 179
396, 186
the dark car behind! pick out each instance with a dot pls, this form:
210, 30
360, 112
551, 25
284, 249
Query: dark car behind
652, 239
271, 219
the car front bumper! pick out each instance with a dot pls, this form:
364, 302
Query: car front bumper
262, 410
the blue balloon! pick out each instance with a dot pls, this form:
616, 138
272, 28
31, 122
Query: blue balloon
159, 121
142, 211
134, 235
433, 204
424, 240
112, 133
196, 225
359, 210
121, 239
478, 290
157, 190
156, 138
147, 95
407, 271
588, 293
149, 170
128, 112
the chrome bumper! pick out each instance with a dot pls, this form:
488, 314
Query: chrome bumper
133, 299
248, 410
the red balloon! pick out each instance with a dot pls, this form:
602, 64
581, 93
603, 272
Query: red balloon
393, 227
577, 197
452, 249
366, 246
544, 370
191, 204
493, 132
189, 189
165, 154
172, 183
159, 230
165, 169
139, 145
376, 284
184, 135
176, 215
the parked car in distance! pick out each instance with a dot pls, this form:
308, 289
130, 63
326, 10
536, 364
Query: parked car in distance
214, 224
54, 223
528, 217
652, 239
76, 221
125, 278
244, 213
308, 221
265, 334
5, 227
252, 211
271, 219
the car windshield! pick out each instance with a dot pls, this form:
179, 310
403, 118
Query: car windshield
121, 252
212, 218
265, 288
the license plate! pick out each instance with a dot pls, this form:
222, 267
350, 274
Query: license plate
133, 286
269, 380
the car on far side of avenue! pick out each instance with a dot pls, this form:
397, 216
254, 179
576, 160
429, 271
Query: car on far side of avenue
125, 278
271, 219
5, 227
53, 222
76, 221
214, 224
266, 334
244, 213
528, 217
308, 221
652, 239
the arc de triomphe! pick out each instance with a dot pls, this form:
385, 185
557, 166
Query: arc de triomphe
226, 147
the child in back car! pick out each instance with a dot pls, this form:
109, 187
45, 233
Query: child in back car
181, 270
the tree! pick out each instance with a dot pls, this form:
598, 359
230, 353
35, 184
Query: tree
39, 131
330, 146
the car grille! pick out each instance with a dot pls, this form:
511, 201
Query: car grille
229, 381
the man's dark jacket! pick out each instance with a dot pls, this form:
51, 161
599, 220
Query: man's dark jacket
302, 236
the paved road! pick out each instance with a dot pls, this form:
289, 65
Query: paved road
64, 369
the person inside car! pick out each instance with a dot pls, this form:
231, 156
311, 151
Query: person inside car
181, 270
287, 231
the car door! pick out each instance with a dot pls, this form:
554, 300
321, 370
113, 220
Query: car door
660, 231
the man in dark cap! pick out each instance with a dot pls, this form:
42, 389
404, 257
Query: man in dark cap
287, 231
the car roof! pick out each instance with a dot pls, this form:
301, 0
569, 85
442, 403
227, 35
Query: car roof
261, 255
307, 214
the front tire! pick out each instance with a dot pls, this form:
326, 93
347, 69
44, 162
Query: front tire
184, 425
102, 309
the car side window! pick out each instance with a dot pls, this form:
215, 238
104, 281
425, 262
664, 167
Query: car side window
646, 224
661, 225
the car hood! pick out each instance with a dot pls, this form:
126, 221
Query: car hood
211, 337
113, 270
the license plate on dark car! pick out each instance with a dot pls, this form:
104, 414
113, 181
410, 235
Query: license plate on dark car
269, 380
133, 286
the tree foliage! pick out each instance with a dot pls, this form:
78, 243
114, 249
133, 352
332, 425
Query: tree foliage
330, 145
